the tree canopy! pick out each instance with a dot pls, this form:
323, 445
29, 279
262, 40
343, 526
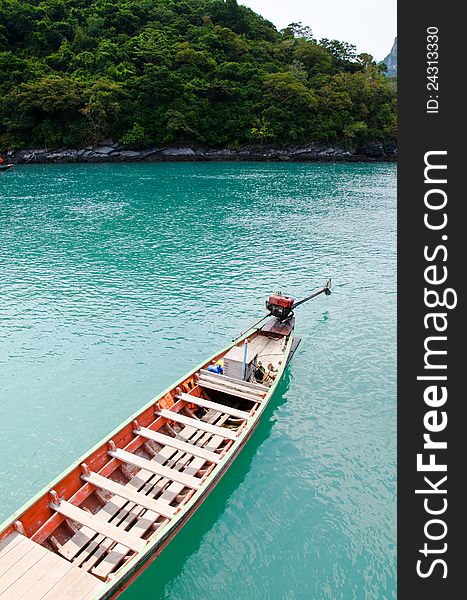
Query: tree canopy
143, 72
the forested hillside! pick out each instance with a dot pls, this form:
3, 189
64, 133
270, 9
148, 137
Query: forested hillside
73, 72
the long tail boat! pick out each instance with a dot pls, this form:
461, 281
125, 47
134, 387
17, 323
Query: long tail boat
99, 524
6, 167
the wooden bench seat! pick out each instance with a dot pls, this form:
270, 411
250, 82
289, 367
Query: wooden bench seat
170, 415
126, 492
220, 386
256, 387
70, 511
227, 410
155, 467
166, 440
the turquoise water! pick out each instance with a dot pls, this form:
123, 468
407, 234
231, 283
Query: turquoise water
116, 279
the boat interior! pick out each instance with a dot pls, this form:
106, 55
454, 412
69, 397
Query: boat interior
101, 515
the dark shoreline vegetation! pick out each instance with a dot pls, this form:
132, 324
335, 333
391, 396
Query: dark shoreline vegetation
207, 75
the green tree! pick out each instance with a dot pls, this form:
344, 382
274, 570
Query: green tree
314, 57
135, 137
299, 30
73, 72
102, 107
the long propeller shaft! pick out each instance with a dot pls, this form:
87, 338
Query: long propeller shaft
326, 290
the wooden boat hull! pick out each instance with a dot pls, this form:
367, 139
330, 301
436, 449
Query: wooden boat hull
6, 167
154, 553
38, 519
127, 579
146, 561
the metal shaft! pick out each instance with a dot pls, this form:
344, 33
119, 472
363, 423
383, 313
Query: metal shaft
326, 290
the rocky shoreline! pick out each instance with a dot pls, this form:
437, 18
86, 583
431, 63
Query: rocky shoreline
109, 151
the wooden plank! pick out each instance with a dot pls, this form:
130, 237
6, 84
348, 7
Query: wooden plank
46, 581
170, 415
71, 548
279, 328
47, 528
85, 547
111, 510
74, 585
126, 492
140, 527
219, 387
117, 508
8, 543
173, 490
81, 516
227, 410
15, 555
21, 566
155, 467
92, 594
46, 563
243, 386
257, 387
141, 523
229, 385
166, 440
100, 544
129, 512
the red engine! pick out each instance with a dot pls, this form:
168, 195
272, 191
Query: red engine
280, 306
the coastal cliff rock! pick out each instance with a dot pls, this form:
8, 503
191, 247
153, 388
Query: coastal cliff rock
391, 61
109, 151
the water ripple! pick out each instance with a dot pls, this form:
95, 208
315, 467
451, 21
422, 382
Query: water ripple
116, 279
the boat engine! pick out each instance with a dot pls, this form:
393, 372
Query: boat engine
280, 306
